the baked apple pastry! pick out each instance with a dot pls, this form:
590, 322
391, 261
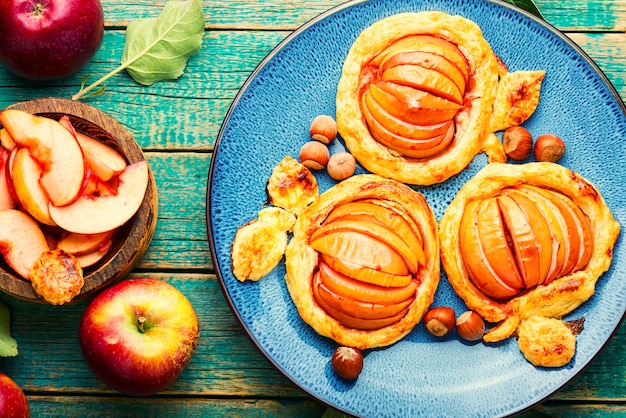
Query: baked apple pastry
422, 93
523, 245
363, 264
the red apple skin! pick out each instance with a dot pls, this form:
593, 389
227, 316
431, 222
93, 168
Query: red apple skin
124, 358
49, 39
13, 402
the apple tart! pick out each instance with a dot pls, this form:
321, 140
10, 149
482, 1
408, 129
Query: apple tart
422, 93
523, 245
363, 264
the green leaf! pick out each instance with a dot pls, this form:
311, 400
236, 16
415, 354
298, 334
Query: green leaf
8, 345
527, 5
157, 49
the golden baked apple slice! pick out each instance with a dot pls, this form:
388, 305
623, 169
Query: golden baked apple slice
583, 229
353, 322
411, 105
361, 249
424, 79
398, 126
576, 231
363, 291
426, 43
359, 309
403, 214
540, 230
523, 240
493, 236
557, 226
413, 148
431, 61
367, 274
475, 260
374, 230
391, 218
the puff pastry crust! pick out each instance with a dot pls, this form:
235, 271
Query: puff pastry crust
475, 122
302, 260
560, 296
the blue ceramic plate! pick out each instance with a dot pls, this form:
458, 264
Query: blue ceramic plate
418, 376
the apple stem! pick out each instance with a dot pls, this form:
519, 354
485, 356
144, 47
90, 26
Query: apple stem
140, 324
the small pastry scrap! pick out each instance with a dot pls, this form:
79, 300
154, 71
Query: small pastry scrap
259, 245
57, 277
291, 186
524, 245
422, 93
363, 264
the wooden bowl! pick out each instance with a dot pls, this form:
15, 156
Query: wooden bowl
133, 238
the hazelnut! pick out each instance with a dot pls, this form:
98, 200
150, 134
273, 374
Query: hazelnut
440, 320
518, 143
549, 148
314, 155
323, 129
347, 362
470, 326
341, 166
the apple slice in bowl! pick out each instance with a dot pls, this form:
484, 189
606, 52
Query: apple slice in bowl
116, 172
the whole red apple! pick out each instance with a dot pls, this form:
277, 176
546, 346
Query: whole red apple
138, 335
49, 39
13, 402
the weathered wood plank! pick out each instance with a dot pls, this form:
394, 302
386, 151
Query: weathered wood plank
226, 363
90, 406
568, 410
187, 114
180, 240
572, 15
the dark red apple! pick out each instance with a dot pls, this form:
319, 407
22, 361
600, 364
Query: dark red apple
49, 39
139, 335
13, 402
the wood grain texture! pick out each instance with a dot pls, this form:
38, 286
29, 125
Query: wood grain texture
186, 114
571, 15
177, 123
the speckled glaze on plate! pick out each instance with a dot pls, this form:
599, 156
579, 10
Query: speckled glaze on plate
420, 375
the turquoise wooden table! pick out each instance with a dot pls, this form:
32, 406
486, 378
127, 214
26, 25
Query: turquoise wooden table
177, 123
